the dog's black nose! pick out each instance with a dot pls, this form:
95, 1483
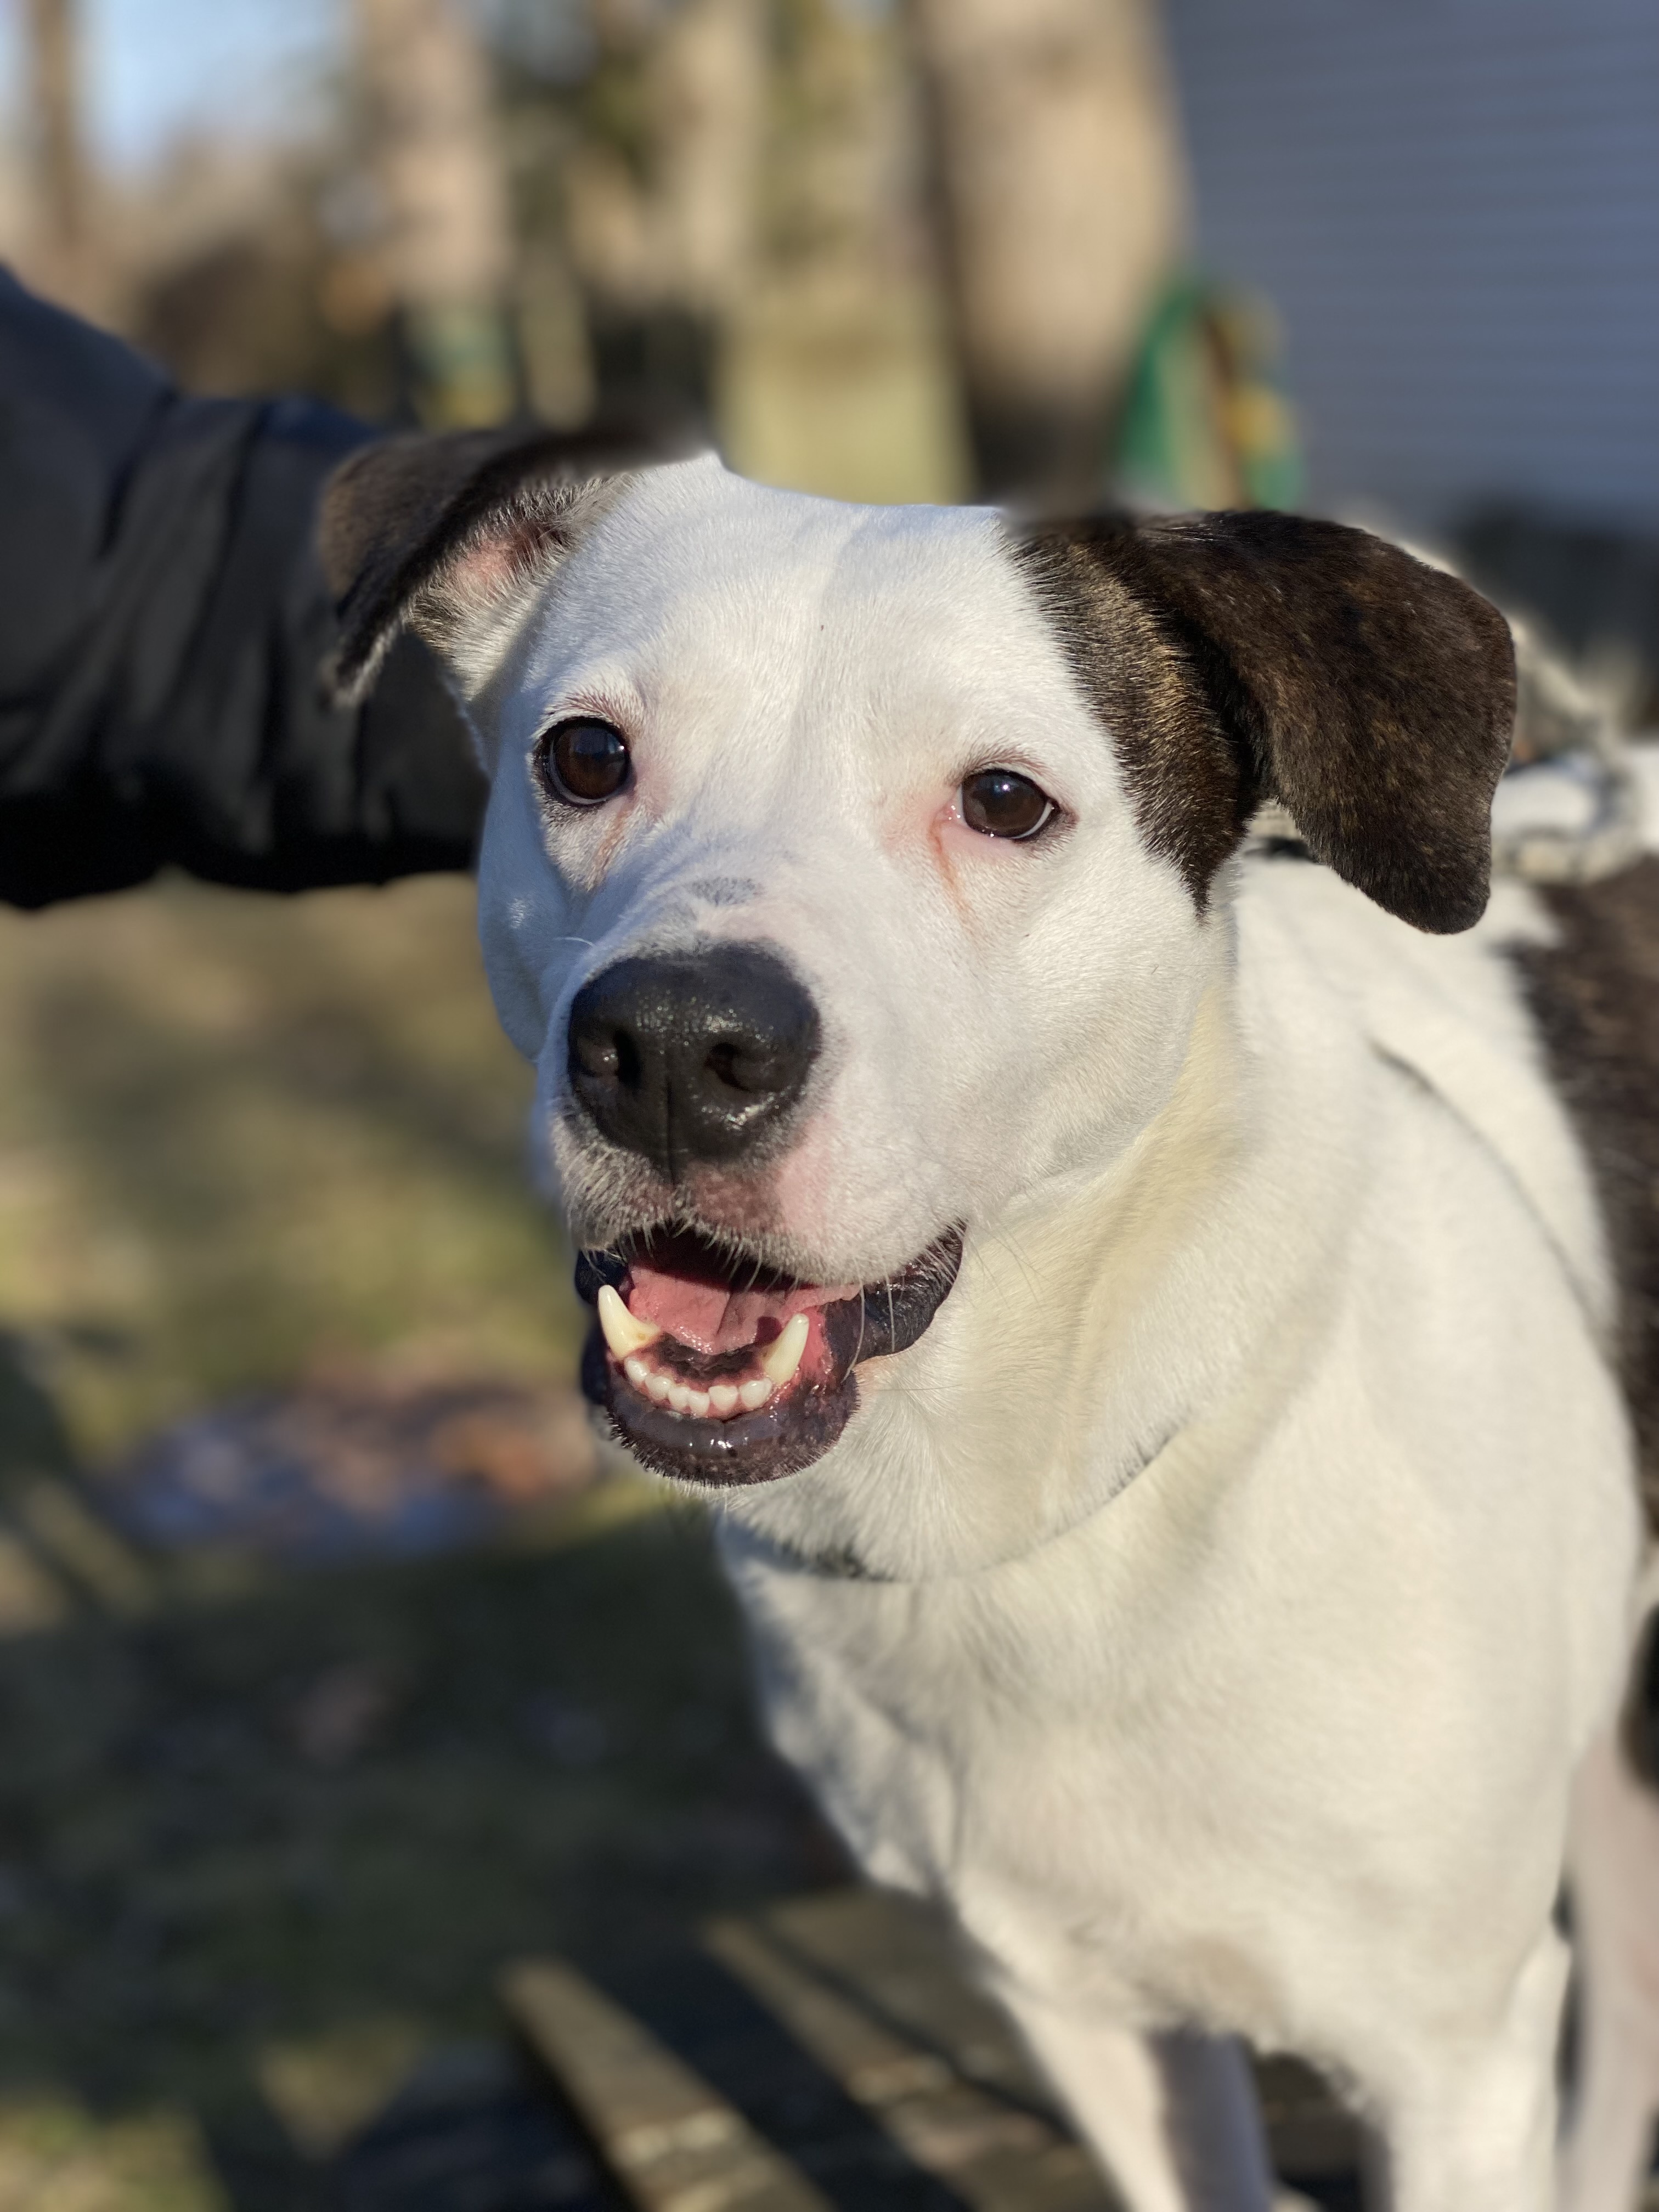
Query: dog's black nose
692, 1056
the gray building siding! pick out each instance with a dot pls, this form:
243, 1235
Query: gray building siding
1454, 205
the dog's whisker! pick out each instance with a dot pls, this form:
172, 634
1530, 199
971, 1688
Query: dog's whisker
1006, 1241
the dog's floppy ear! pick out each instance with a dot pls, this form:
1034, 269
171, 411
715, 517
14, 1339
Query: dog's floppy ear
449, 536
1236, 658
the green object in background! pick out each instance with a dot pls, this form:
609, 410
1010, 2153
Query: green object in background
462, 368
1207, 422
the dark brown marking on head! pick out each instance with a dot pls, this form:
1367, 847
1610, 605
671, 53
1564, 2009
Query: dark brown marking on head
1235, 658
434, 533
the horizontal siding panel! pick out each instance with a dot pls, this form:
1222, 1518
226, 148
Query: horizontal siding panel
1454, 205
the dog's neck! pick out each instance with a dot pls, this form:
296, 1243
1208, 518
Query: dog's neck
1094, 1331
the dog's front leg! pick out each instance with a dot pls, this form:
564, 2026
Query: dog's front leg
1173, 2118
1474, 2130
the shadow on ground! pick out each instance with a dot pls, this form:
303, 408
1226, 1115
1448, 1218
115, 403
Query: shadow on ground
263, 1850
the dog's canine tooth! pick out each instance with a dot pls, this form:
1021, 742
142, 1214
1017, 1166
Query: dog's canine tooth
779, 1361
753, 1395
658, 1385
622, 1332
723, 1397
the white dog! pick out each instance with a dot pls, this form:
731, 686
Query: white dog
1139, 1305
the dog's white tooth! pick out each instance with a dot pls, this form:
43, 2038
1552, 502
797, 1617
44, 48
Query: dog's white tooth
753, 1395
679, 1398
658, 1385
723, 1397
622, 1332
779, 1361
698, 1404
636, 1369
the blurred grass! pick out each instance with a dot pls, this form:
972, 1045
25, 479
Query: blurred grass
264, 1840
55, 2157
240, 1135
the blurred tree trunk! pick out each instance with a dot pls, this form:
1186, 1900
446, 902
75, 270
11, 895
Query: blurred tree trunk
446, 242
1061, 198
662, 230
61, 185
708, 94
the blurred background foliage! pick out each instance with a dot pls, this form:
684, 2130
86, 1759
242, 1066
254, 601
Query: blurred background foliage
883, 253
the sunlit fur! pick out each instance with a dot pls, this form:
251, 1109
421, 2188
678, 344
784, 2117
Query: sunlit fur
1249, 1545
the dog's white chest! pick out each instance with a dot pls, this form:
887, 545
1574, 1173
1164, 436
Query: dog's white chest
1170, 1762
1065, 1830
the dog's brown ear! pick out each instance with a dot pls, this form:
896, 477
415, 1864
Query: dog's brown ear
447, 535
1236, 658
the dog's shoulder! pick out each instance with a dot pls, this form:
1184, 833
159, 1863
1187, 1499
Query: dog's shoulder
1450, 1016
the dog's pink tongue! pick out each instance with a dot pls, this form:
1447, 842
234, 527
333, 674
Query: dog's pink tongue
711, 1317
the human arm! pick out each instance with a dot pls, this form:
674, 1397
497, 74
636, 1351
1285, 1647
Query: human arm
163, 624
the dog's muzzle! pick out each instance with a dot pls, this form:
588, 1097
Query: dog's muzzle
715, 1370
713, 1367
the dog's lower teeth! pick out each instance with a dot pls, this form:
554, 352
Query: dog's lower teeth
722, 1399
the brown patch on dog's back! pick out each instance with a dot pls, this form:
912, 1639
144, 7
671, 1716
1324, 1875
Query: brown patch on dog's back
1595, 996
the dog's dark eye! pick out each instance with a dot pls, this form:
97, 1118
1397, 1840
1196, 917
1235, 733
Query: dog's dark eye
998, 803
581, 762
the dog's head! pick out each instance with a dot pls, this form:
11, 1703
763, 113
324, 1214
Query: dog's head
851, 874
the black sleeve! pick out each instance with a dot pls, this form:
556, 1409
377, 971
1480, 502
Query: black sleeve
163, 621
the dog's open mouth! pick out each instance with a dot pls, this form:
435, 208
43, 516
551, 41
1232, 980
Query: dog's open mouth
713, 1369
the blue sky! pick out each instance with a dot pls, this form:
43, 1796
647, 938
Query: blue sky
156, 68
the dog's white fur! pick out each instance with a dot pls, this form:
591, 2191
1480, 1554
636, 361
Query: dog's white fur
1250, 1546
